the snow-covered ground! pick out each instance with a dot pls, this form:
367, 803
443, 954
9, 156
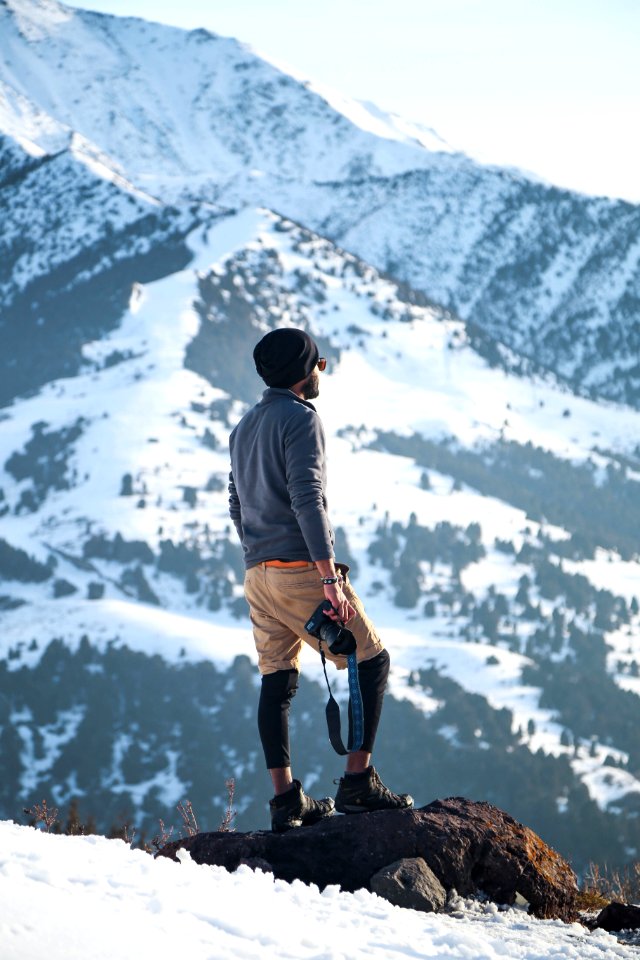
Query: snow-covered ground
89, 898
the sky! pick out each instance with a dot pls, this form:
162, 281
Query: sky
550, 86
69, 897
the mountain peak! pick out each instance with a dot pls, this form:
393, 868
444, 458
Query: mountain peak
191, 116
225, 114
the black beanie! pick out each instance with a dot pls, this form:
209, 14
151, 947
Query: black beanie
285, 356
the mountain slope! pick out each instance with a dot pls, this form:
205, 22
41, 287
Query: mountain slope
120, 571
75, 238
554, 275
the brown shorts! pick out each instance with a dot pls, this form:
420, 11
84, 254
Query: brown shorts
281, 600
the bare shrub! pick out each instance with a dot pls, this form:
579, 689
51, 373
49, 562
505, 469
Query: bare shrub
229, 813
161, 839
43, 813
189, 821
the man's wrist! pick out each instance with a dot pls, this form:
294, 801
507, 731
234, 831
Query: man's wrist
330, 578
327, 569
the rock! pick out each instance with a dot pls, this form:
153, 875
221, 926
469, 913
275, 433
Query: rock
410, 883
470, 846
619, 916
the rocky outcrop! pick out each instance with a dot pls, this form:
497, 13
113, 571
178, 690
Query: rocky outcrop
471, 847
619, 916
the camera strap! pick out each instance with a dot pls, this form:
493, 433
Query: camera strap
333, 710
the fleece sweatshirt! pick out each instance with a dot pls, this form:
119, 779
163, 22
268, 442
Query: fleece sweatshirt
277, 484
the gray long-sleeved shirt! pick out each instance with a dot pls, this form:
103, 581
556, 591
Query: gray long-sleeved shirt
277, 484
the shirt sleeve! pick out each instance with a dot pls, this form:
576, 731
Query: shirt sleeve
234, 506
304, 450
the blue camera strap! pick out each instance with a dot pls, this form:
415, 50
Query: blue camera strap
333, 710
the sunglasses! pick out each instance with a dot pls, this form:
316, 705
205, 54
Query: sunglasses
322, 364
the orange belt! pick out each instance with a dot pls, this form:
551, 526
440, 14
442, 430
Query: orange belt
288, 563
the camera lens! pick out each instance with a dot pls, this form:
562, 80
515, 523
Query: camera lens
330, 632
338, 639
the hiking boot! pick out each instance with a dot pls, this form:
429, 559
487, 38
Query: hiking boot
295, 809
365, 792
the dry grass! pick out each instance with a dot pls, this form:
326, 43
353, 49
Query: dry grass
601, 887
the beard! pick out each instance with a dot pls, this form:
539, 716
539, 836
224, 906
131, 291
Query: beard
311, 388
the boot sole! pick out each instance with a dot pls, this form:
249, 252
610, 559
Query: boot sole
292, 825
296, 824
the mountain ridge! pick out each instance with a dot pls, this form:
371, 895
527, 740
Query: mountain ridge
530, 264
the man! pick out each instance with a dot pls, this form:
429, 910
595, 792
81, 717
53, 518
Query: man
278, 505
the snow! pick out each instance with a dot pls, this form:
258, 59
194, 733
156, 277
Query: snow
67, 897
422, 376
389, 126
54, 737
138, 626
38, 20
604, 782
608, 572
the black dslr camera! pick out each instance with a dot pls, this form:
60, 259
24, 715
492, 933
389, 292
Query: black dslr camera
337, 637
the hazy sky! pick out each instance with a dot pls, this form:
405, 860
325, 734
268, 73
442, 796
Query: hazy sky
552, 86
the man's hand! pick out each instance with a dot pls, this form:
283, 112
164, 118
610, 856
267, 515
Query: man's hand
342, 609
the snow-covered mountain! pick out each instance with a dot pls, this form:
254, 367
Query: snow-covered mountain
117, 548
75, 236
552, 274
490, 513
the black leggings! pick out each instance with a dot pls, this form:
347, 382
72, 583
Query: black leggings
279, 688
